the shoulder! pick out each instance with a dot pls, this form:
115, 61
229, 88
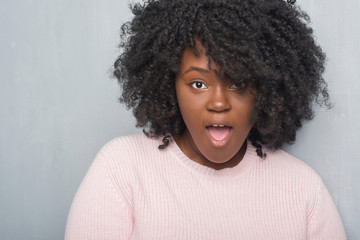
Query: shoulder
130, 145
287, 168
125, 152
288, 174
123, 157
287, 162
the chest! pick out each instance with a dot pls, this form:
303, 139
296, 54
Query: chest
189, 208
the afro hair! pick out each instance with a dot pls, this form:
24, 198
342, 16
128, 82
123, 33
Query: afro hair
265, 44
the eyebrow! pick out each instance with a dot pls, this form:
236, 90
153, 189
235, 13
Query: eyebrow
196, 69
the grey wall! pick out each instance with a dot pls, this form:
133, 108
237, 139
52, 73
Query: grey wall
59, 106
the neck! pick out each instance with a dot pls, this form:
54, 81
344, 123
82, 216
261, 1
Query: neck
188, 147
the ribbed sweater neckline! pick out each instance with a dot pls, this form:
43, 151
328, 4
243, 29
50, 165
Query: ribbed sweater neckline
248, 160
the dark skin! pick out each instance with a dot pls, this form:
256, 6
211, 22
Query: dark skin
208, 103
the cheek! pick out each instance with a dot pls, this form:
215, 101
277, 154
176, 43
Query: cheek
189, 112
246, 115
244, 108
191, 108
189, 104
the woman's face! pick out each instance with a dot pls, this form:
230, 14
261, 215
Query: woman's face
215, 112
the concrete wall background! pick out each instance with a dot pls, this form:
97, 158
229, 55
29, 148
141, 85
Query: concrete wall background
59, 106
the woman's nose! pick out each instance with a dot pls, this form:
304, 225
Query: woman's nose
218, 100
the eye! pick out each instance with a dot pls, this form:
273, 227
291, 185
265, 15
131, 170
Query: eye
198, 85
235, 86
241, 88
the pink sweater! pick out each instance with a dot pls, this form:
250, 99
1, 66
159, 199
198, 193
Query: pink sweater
135, 191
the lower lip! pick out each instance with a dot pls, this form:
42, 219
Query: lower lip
219, 143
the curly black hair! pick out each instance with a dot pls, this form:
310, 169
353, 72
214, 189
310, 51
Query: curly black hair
264, 44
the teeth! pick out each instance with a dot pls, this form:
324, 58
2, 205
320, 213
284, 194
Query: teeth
218, 125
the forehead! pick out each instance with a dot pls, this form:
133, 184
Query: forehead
196, 57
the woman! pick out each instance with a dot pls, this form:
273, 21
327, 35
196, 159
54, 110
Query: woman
219, 87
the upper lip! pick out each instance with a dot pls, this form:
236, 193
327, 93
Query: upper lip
218, 122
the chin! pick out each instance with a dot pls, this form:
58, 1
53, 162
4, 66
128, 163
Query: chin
218, 158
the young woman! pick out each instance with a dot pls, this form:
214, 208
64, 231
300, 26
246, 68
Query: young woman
218, 87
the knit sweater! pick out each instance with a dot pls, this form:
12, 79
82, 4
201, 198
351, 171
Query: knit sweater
133, 190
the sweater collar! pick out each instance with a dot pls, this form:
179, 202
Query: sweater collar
249, 158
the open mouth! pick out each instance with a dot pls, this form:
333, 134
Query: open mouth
219, 132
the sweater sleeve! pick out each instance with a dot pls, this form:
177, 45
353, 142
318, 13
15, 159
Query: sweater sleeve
324, 222
100, 209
